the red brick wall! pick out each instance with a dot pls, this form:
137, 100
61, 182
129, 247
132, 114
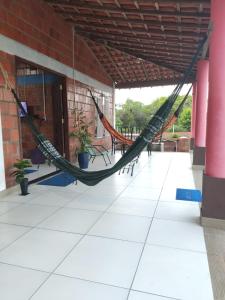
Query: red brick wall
79, 98
183, 145
10, 121
36, 25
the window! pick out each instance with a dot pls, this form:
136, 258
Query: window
103, 102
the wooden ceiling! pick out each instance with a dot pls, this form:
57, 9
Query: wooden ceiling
142, 42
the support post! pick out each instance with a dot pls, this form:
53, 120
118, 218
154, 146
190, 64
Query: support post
193, 115
201, 112
213, 205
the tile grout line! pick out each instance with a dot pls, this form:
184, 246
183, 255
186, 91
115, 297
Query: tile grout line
55, 211
145, 242
146, 293
69, 252
86, 234
30, 229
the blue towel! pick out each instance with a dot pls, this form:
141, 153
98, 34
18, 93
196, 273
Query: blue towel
189, 195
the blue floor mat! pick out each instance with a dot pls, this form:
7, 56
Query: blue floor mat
188, 195
28, 171
61, 179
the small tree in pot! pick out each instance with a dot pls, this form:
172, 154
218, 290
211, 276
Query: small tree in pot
19, 174
81, 132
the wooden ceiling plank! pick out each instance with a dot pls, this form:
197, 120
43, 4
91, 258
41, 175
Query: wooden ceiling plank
113, 63
159, 52
151, 42
80, 25
132, 21
150, 83
111, 8
149, 59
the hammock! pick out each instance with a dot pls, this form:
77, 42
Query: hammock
124, 140
172, 120
148, 133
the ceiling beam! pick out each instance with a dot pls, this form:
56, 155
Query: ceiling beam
149, 59
116, 9
104, 35
150, 83
157, 52
113, 63
144, 71
73, 14
152, 51
175, 1
170, 33
142, 41
173, 59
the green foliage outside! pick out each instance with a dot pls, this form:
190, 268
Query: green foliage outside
136, 114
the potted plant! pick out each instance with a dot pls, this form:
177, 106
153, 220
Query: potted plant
19, 174
81, 132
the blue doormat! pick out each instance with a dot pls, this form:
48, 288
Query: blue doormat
189, 195
28, 171
61, 179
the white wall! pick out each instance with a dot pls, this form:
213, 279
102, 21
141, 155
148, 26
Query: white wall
2, 168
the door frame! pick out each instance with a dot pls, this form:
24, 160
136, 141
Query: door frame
62, 78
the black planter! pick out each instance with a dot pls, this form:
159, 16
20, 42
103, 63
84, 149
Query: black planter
83, 159
24, 187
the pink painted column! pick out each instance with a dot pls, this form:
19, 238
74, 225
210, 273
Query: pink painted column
201, 112
213, 193
193, 115
201, 103
215, 155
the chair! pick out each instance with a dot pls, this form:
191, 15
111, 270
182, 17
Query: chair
37, 157
149, 148
98, 150
130, 166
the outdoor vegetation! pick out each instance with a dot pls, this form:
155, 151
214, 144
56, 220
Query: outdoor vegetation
136, 114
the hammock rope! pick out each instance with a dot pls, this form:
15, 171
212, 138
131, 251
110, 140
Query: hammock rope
93, 177
172, 120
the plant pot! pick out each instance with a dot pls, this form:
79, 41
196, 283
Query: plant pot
24, 187
83, 159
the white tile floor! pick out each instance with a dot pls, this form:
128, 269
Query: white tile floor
125, 239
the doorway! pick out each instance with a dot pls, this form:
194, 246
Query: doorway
43, 96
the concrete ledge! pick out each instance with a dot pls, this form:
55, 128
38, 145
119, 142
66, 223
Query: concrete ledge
9, 191
199, 156
213, 194
198, 167
213, 223
157, 146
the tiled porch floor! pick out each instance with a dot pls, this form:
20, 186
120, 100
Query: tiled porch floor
126, 238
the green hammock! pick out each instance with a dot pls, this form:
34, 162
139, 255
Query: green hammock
93, 177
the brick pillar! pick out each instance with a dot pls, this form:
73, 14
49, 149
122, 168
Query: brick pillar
10, 121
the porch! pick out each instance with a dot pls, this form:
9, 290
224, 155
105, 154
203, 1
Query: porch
126, 238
